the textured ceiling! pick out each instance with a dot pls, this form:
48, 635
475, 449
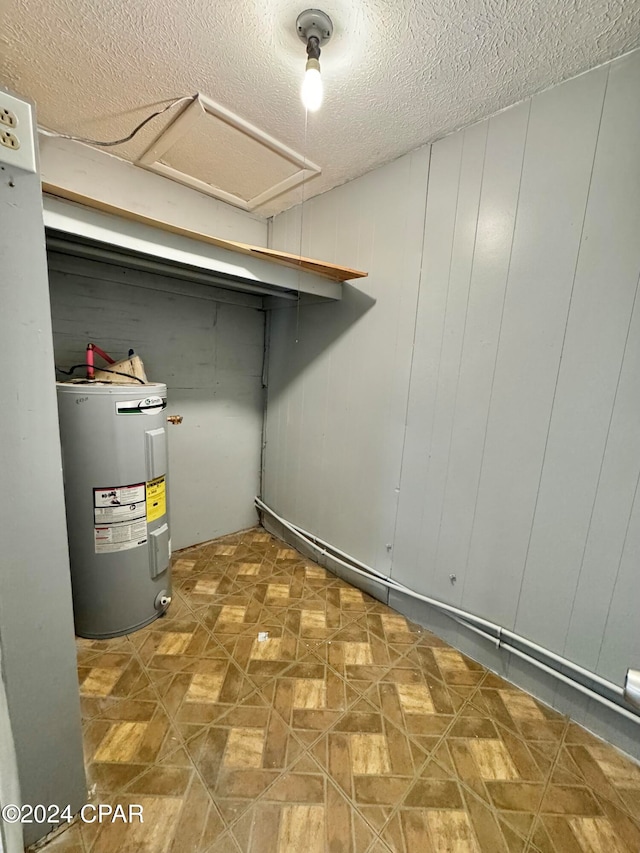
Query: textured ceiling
397, 73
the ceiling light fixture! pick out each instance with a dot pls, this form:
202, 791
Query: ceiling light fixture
315, 29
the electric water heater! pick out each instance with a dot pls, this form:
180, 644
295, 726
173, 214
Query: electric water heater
114, 456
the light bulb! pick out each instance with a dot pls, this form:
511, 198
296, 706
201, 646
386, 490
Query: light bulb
312, 86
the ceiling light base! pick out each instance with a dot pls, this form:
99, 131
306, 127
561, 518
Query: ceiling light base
314, 22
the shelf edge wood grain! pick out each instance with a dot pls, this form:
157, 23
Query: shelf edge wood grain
321, 268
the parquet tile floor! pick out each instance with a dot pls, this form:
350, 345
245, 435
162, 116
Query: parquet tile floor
276, 709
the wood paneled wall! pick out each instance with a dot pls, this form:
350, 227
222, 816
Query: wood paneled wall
474, 405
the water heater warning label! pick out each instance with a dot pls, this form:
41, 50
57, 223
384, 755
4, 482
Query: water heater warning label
120, 517
156, 499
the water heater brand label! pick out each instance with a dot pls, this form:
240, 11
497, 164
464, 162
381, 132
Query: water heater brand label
156, 499
148, 406
120, 517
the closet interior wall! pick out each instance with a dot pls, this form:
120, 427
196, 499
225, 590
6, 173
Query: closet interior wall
207, 345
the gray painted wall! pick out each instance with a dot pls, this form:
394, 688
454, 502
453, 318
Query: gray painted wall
101, 174
339, 372
36, 623
10, 833
207, 345
483, 417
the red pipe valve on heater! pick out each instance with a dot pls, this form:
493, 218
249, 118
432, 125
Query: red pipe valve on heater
91, 348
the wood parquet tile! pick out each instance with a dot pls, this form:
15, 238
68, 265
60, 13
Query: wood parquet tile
276, 709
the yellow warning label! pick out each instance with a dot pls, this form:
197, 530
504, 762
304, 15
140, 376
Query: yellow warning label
156, 499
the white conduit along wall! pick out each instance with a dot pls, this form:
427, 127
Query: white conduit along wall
497, 634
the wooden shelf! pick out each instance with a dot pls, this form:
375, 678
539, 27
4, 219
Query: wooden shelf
331, 271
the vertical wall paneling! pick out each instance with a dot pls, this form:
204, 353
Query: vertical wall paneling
441, 208
621, 645
344, 372
571, 487
385, 376
608, 384
210, 355
512, 415
453, 331
606, 564
492, 252
561, 137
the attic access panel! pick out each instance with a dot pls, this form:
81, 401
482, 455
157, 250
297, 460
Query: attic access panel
206, 142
